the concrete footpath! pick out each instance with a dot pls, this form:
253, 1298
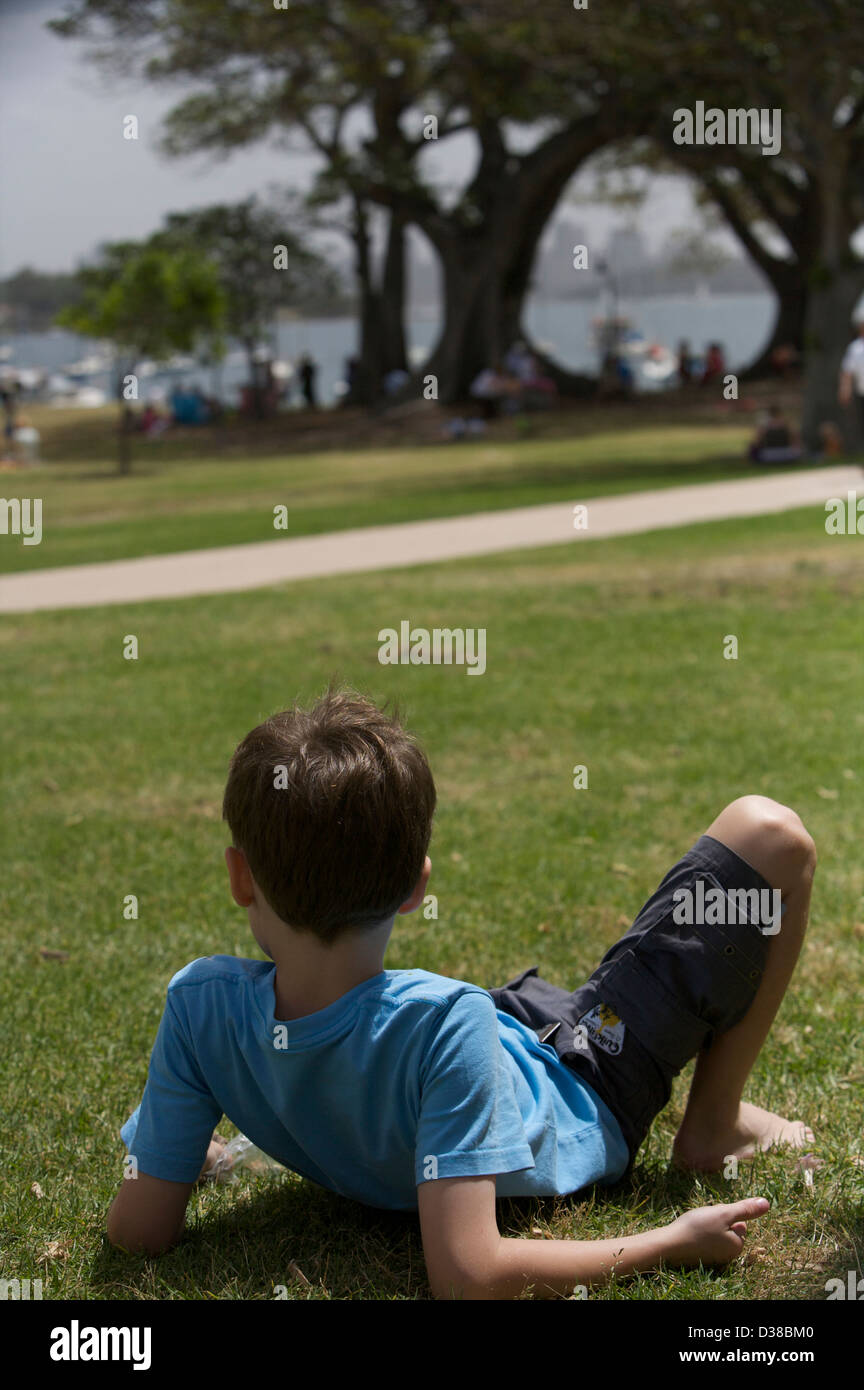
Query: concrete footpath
230, 569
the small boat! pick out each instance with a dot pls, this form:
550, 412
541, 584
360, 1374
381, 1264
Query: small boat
659, 363
60, 385
651, 363
89, 398
94, 365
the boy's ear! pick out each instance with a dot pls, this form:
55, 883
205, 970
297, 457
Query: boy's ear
240, 877
420, 891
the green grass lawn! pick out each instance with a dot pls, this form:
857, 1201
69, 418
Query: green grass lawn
607, 654
180, 499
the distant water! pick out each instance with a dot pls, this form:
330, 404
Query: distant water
563, 328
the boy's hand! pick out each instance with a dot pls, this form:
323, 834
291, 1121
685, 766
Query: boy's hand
712, 1235
214, 1152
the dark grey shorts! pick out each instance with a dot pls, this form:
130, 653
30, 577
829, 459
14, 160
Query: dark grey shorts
659, 996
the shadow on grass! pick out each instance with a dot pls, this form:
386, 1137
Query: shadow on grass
270, 1240
285, 1239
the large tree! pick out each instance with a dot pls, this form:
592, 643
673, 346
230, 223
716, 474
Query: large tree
330, 76
366, 86
541, 91
808, 65
810, 69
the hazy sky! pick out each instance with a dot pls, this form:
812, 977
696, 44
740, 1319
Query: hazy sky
68, 178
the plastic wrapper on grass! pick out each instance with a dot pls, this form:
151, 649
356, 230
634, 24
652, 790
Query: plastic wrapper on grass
240, 1154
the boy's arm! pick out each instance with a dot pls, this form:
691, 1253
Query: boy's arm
467, 1258
150, 1218
170, 1137
148, 1214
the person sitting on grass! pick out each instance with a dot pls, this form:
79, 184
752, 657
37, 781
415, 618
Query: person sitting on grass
495, 390
775, 441
409, 1090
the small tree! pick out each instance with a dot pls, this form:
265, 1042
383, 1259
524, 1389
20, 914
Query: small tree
149, 301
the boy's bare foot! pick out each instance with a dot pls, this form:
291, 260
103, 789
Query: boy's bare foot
755, 1131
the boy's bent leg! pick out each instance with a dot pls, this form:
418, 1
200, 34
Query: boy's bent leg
717, 1124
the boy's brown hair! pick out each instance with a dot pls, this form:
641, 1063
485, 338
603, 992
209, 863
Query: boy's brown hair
332, 808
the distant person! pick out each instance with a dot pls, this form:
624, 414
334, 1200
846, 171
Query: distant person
685, 363
785, 360
518, 361
852, 375
522, 364
178, 400
492, 388
714, 365
395, 380
26, 439
147, 418
831, 445
608, 385
307, 371
352, 379
625, 376
200, 405
9, 396
536, 389
775, 441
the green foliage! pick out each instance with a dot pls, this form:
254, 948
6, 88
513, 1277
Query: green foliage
239, 240
149, 301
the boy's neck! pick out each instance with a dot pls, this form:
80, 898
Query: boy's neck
310, 976
296, 998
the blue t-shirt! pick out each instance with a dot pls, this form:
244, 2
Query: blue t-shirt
408, 1077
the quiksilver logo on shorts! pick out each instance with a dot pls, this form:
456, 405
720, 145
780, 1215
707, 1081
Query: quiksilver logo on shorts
604, 1027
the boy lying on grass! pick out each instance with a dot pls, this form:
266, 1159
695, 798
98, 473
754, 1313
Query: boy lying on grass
408, 1090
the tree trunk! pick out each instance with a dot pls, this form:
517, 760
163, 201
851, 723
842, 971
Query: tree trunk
836, 283
789, 321
124, 440
481, 319
370, 350
391, 297
487, 265
787, 278
828, 331
484, 298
